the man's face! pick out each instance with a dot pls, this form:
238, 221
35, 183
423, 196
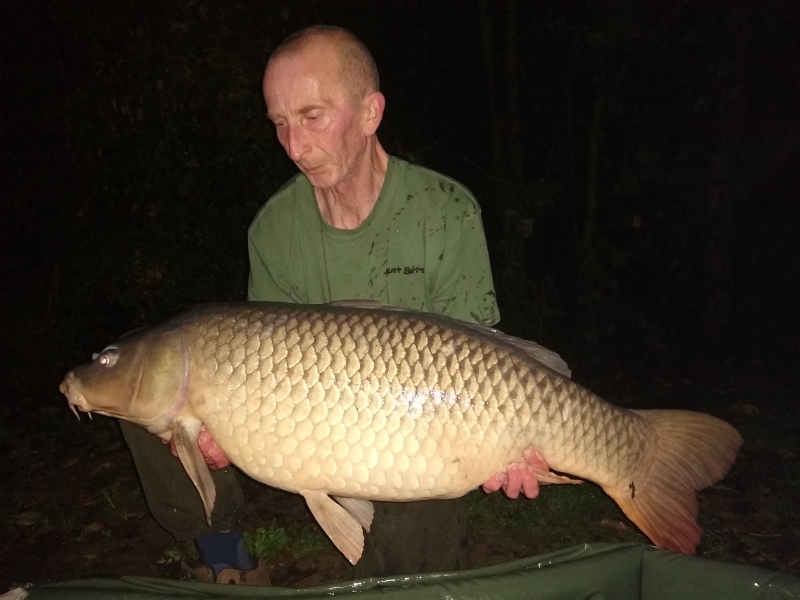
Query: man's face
317, 124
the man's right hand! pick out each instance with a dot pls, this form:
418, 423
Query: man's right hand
212, 454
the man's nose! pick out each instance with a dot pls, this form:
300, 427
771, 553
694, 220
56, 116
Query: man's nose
296, 145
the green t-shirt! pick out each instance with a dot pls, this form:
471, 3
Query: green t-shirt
422, 247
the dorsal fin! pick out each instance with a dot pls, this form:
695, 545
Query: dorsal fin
531, 349
367, 304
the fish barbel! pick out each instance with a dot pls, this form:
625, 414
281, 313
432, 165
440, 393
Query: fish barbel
356, 401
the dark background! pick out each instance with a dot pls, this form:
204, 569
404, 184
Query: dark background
636, 163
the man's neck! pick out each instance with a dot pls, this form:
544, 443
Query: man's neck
347, 205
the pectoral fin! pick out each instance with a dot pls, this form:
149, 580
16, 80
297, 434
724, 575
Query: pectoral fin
185, 432
342, 527
362, 510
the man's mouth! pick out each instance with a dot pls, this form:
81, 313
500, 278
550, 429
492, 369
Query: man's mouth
314, 169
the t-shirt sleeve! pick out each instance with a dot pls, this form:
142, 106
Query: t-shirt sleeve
266, 282
463, 286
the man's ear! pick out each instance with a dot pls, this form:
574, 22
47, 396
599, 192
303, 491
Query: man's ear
373, 113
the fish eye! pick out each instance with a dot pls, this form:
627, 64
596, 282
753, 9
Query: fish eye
107, 357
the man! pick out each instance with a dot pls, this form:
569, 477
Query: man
354, 224
357, 223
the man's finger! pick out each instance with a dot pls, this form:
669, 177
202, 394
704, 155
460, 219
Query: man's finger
495, 483
512, 487
530, 485
220, 460
535, 459
210, 451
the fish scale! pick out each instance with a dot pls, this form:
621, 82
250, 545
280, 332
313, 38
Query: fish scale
300, 464
357, 381
364, 402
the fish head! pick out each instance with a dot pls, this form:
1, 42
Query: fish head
142, 378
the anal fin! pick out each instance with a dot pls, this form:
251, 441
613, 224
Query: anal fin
362, 510
342, 527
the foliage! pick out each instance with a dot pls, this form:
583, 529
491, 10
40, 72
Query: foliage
162, 157
309, 539
643, 254
266, 542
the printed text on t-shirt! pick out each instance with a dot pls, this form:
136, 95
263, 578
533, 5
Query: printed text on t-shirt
404, 270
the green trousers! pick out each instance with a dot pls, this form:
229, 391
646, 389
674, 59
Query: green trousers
405, 538
171, 496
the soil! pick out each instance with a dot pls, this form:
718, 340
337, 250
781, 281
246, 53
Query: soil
71, 506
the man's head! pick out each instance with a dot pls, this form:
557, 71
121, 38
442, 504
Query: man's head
356, 67
321, 88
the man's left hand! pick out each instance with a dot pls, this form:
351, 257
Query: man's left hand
520, 477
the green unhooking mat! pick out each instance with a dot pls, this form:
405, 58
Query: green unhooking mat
588, 572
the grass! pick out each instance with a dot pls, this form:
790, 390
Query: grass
309, 540
562, 515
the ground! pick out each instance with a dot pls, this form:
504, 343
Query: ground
71, 506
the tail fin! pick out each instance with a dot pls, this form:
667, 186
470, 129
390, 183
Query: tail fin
691, 451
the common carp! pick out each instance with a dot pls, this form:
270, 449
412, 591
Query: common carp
356, 401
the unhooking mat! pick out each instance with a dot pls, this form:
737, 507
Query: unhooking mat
587, 572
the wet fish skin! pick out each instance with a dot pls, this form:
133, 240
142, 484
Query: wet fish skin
373, 403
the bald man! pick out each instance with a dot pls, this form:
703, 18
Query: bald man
355, 223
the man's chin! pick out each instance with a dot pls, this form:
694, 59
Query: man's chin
321, 179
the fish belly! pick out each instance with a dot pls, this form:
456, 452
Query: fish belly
380, 405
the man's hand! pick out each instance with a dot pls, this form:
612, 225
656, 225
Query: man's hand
213, 456
520, 477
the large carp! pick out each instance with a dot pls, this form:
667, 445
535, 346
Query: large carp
359, 401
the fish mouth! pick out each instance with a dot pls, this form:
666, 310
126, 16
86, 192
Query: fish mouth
75, 399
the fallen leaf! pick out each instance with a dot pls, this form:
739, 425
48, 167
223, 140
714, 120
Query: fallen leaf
767, 515
28, 518
93, 527
106, 465
87, 499
615, 525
